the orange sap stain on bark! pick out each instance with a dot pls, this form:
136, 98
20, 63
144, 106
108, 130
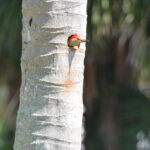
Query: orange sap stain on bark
69, 83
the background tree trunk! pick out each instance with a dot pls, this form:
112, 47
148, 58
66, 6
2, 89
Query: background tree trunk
51, 107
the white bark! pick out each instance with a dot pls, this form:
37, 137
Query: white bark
51, 107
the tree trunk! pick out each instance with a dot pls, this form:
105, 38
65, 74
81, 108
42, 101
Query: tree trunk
51, 107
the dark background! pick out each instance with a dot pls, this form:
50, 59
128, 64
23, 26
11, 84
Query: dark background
117, 74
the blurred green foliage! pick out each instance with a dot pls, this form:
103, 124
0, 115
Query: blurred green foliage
10, 51
10, 33
119, 52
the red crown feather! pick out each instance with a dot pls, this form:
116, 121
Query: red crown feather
73, 36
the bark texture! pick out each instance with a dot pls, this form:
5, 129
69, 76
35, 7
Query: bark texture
51, 107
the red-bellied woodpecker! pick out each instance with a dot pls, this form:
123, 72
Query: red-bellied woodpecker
74, 41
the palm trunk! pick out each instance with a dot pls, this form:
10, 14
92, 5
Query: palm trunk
51, 107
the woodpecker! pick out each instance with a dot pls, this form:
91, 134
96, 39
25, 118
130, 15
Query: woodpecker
74, 41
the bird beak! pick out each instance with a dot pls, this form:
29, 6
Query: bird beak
85, 41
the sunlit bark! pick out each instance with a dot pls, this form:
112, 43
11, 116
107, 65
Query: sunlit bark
51, 107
